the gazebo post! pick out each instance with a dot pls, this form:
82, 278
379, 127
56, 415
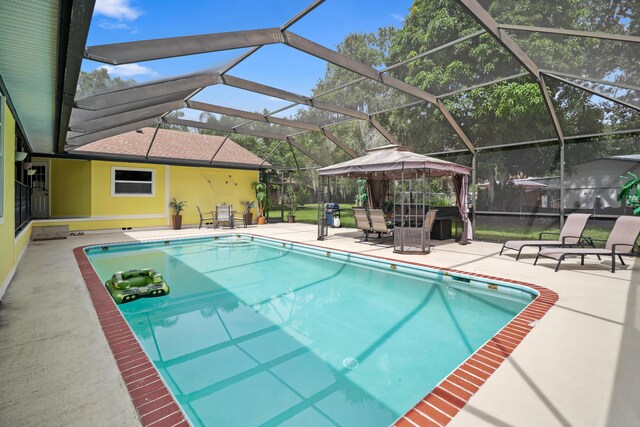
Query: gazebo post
323, 230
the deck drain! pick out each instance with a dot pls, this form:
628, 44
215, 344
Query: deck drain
350, 363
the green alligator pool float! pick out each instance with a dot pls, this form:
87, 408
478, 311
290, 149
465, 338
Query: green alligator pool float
126, 286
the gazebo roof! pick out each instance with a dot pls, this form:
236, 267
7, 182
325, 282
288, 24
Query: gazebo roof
391, 162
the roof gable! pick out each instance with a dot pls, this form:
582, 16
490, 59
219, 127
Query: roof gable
173, 144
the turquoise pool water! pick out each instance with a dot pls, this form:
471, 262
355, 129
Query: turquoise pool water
257, 332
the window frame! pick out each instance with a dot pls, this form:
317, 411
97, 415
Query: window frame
113, 182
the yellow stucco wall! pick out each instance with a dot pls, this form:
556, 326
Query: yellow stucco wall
71, 184
21, 242
104, 204
11, 247
207, 187
91, 181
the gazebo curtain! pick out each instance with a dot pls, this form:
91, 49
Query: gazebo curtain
461, 183
377, 190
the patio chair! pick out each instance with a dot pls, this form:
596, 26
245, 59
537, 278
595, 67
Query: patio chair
570, 235
224, 215
237, 219
621, 241
204, 217
362, 223
379, 223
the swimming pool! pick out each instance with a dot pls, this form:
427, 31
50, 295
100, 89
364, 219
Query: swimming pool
258, 331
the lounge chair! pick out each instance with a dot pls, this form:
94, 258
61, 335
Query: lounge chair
379, 223
621, 241
204, 217
570, 235
362, 223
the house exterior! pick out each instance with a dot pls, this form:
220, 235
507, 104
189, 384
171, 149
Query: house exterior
107, 194
94, 192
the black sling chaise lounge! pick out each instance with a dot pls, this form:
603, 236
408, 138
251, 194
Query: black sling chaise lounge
621, 241
570, 235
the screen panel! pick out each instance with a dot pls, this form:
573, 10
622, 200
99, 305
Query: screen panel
509, 181
608, 60
506, 112
368, 96
422, 127
594, 172
584, 15
311, 115
475, 61
582, 113
289, 69
240, 99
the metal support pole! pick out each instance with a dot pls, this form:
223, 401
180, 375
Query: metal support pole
474, 184
562, 192
219, 148
146, 156
282, 196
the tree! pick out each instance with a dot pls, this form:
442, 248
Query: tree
98, 81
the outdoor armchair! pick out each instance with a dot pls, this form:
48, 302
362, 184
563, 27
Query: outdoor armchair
237, 218
570, 235
224, 215
621, 241
207, 216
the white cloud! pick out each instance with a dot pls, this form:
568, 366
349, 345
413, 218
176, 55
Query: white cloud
117, 26
110, 25
118, 9
397, 17
128, 71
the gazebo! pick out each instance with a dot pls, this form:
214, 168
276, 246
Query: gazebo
407, 168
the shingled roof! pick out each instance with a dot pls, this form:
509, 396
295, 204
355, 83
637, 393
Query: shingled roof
173, 145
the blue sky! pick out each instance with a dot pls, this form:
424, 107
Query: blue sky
277, 65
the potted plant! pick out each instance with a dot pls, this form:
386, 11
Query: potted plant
248, 215
363, 195
290, 202
627, 191
177, 207
262, 199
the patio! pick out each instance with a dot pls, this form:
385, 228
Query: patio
578, 366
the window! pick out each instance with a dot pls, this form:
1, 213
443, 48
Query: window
133, 182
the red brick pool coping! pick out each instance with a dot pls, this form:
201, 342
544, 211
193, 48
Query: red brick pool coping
156, 406
152, 399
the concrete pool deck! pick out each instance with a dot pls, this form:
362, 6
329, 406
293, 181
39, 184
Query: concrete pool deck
578, 366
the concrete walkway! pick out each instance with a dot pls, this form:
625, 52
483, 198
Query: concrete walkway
579, 366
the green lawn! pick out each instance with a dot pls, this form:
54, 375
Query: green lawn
309, 214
